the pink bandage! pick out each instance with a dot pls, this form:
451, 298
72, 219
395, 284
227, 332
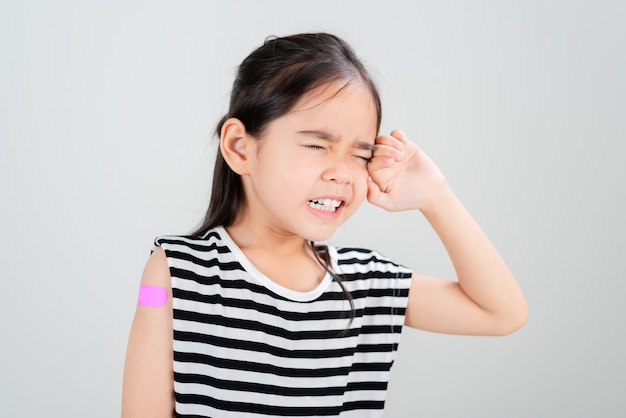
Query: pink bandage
154, 296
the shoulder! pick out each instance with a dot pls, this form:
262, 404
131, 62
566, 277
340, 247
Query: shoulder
156, 272
174, 245
368, 271
366, 260
167, 253
192, 241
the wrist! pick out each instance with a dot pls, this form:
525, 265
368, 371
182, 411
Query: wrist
438, 201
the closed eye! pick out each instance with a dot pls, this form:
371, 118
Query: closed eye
315, 147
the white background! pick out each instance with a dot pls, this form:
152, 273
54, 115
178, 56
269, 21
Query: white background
106, 118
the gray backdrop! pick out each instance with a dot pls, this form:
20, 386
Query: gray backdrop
106, 115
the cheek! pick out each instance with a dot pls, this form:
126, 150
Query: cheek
276, 167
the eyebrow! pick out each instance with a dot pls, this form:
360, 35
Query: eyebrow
328, 137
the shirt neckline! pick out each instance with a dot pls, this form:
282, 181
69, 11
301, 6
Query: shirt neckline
272, 285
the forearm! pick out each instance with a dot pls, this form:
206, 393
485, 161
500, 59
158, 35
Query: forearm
482, 273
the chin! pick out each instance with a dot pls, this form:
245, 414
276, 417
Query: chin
319, 236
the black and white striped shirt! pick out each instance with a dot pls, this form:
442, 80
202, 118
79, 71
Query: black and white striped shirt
245, 346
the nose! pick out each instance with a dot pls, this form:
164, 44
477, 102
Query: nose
338, 172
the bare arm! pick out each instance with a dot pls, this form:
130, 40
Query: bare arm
148, 388
486, 300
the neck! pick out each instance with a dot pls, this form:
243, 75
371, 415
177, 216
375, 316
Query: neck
252, 236
278, 255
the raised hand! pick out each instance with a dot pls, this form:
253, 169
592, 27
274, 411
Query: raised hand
402, 176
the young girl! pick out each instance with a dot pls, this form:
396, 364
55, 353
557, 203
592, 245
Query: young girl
248, 316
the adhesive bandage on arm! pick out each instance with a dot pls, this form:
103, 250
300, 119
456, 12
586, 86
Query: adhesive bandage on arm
154, 296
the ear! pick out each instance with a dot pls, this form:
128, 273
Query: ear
235, 145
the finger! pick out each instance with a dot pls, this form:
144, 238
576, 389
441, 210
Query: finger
384, 151
400, 135
379, 163
389, 141
390, 147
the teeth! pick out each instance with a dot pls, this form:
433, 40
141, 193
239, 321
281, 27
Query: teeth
329, 205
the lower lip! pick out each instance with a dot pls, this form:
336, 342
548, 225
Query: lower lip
326, 215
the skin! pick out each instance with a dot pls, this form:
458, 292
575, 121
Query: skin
318, 150
327, 147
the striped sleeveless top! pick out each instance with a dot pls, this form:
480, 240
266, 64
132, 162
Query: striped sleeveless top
245, 346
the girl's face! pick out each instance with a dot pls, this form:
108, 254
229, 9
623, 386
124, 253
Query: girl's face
308, 171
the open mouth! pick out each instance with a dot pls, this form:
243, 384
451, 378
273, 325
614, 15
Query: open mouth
328, 205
